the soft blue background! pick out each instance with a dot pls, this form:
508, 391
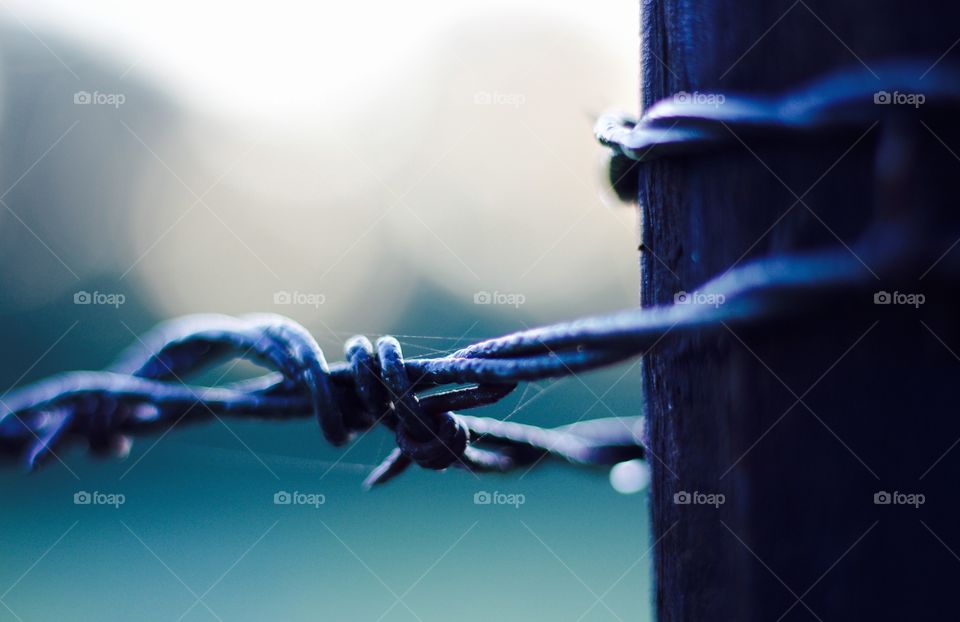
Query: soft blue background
200, 499
515, 204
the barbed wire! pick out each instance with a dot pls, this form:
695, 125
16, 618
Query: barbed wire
375, 385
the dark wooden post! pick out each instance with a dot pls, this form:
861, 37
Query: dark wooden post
799, 535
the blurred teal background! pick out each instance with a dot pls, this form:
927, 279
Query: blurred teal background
372, 169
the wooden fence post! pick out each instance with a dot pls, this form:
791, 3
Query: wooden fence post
800, 424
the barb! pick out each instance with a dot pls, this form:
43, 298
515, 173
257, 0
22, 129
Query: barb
375, 385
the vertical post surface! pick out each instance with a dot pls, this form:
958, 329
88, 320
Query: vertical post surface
798, 424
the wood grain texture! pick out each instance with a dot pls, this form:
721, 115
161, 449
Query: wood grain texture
799, 478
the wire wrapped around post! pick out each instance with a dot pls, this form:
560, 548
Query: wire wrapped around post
847, 100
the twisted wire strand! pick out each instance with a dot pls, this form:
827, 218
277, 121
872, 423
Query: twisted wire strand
847, 99
143, 390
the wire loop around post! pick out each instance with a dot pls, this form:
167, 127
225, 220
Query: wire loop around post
847, 100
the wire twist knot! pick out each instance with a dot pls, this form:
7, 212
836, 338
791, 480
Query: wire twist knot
432, 440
